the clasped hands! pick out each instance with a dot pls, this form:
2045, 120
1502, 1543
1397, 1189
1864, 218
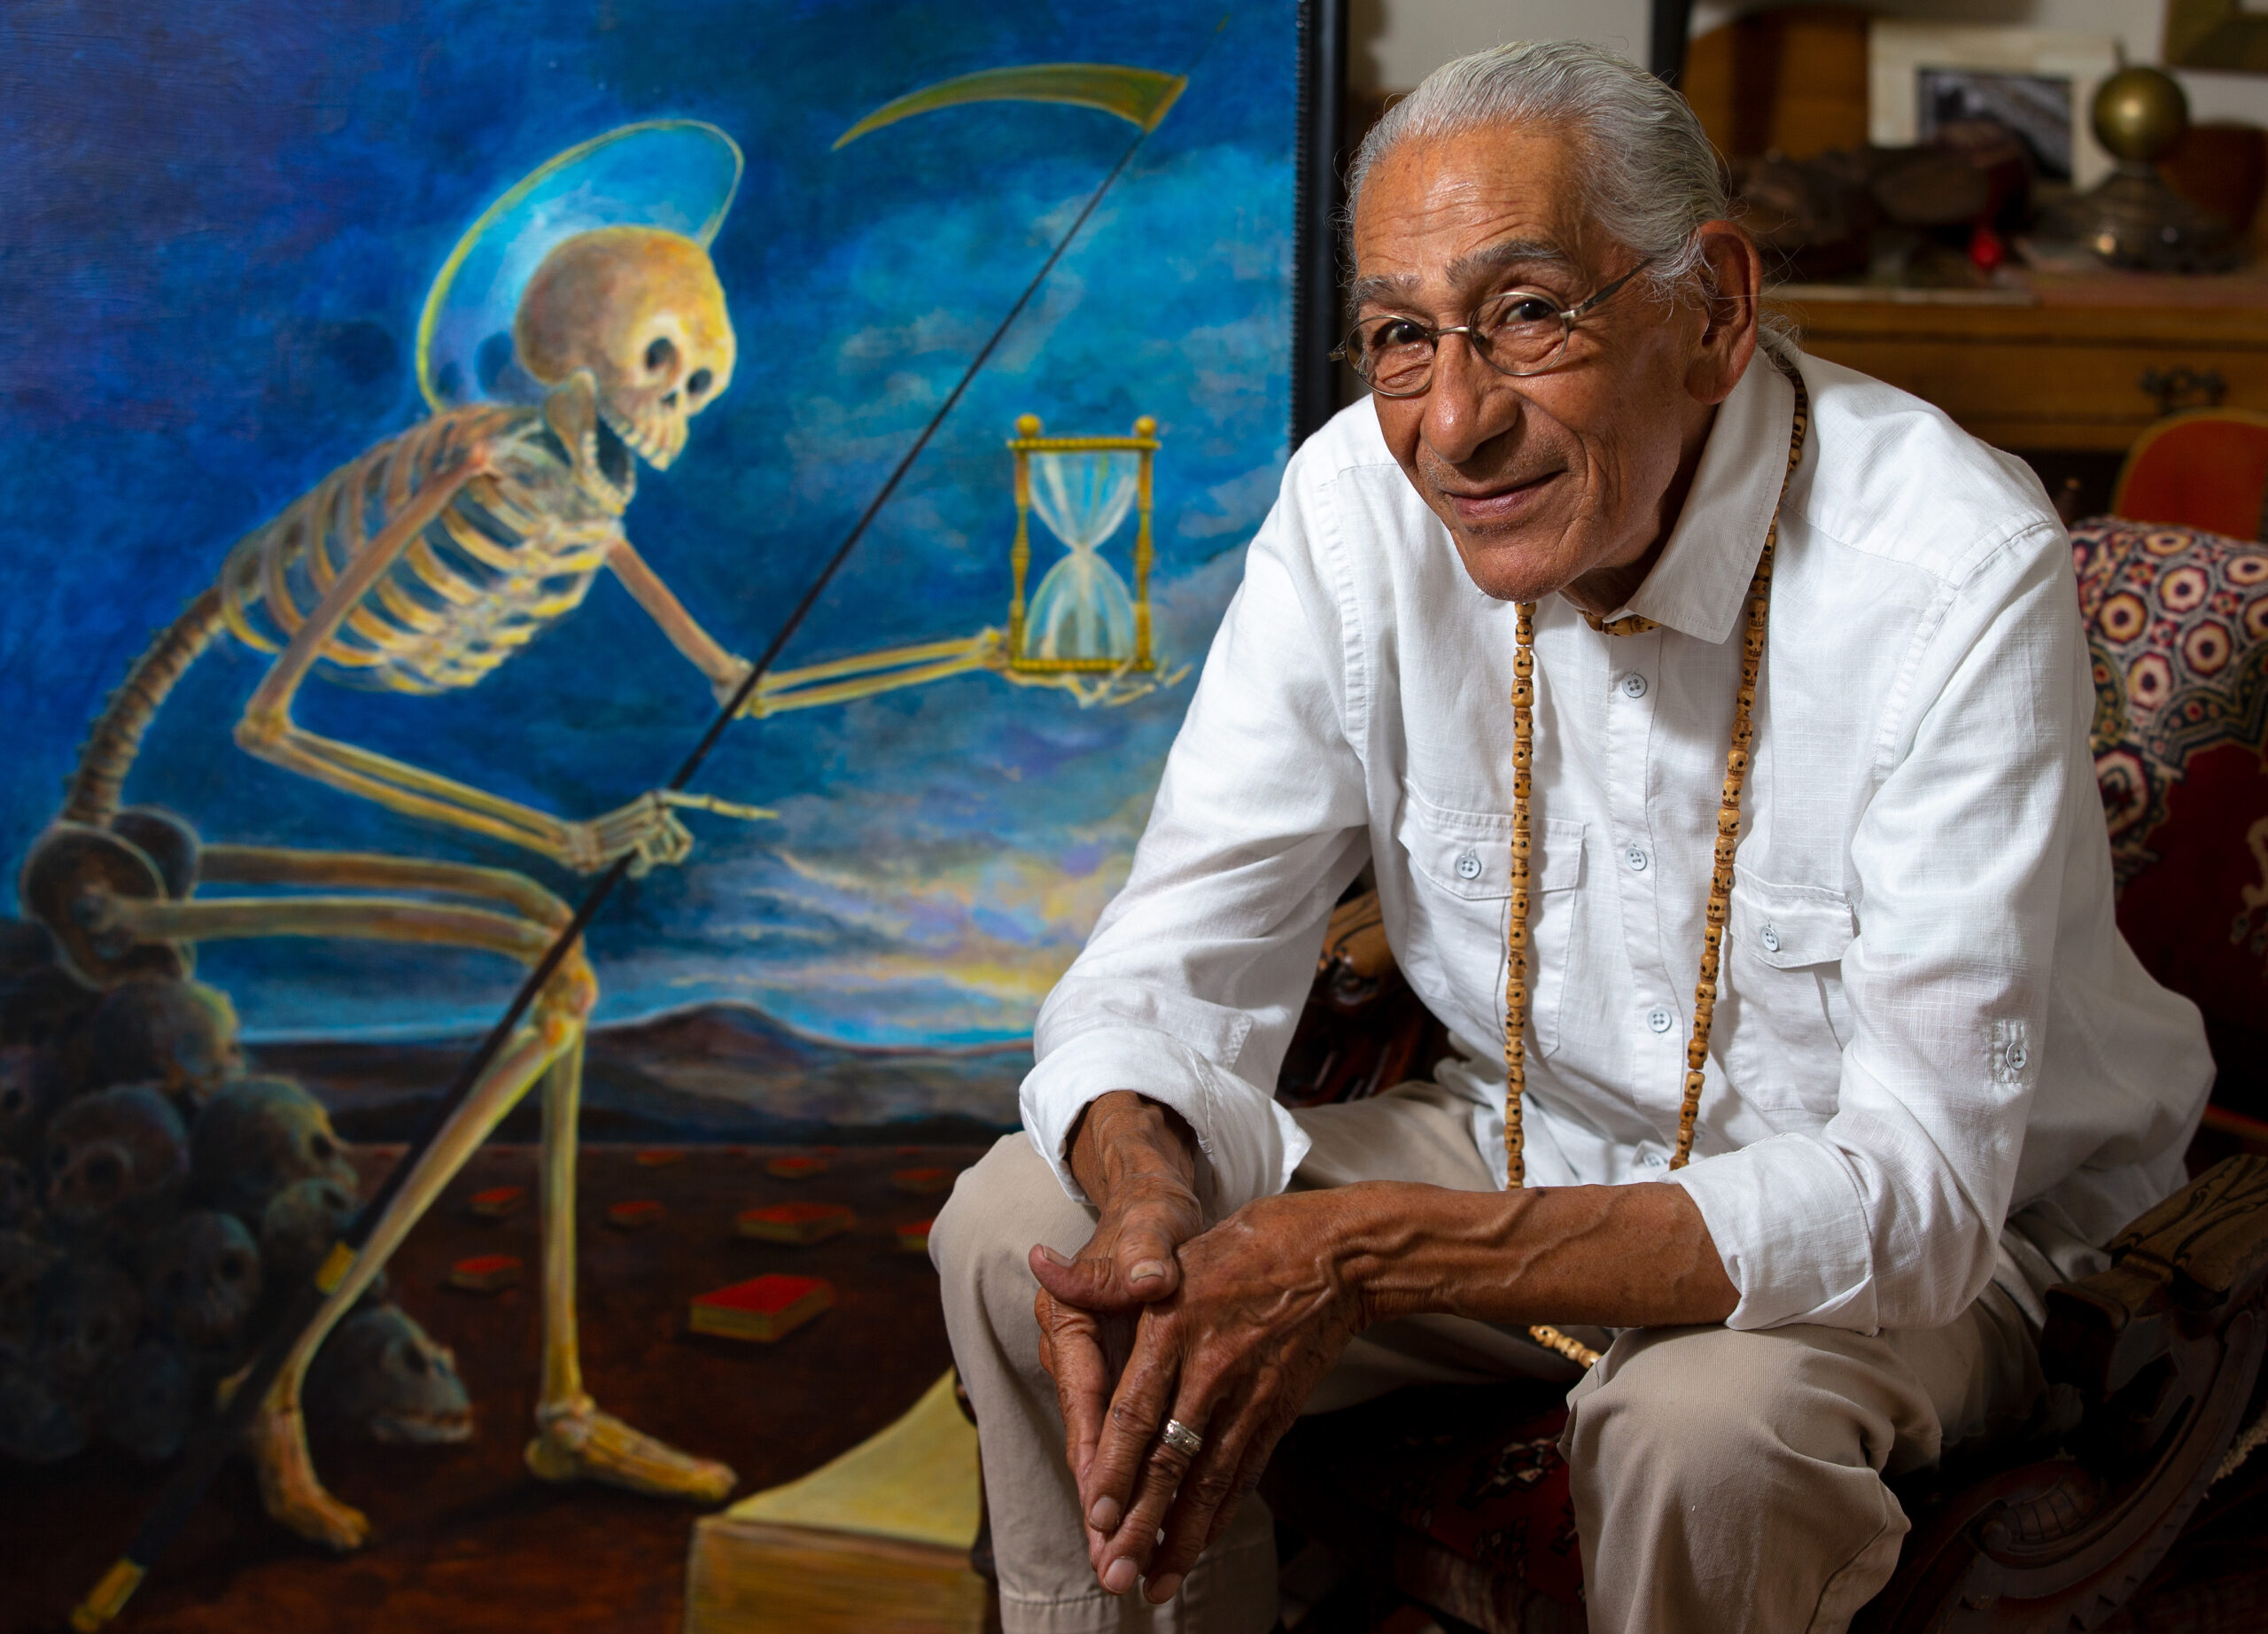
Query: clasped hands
1227, 1330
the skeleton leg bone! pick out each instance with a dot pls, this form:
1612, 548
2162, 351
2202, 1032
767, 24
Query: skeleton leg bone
576, 1441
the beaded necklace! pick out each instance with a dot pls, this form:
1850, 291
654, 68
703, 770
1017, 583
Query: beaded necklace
1721, 877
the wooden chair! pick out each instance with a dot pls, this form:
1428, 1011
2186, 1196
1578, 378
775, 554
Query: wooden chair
2206, 470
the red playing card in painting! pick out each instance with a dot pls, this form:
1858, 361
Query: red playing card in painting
485, 1274
763, 1308
798, 1223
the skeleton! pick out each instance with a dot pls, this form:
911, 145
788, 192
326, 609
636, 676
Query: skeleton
203, 1283
299, 1224
152, 1401
18, 1195
25, 1264
257, 1137
36, 1425
90, 1313
117, 1161
179, 1035
382, 1377
419, 568
30, 1086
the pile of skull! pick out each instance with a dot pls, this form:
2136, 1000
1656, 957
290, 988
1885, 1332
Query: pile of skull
157, 1206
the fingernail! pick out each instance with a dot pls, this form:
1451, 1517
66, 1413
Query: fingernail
1118, 1576
1104, 1516
1148, 1271
1052, 1256
1158, 1590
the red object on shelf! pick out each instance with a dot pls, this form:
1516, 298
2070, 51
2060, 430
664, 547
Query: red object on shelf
796, 1167
763, 1308
922, 1182
633, 1216
799, 1223
914, 1236
1986, 250
498, 1202
660, 1156
485, 1274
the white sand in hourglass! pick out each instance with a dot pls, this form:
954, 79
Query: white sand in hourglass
1082, 609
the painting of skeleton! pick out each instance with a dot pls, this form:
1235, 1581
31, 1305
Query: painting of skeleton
420, 419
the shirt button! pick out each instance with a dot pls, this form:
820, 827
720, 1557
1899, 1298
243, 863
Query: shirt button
1636, 858
1468, 866
1660, 1019
2017, 1056
1770, 937
1634, 686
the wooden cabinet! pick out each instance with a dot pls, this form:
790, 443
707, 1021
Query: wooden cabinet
2083, 364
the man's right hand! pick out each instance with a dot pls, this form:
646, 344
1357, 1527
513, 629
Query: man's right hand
1137, 1160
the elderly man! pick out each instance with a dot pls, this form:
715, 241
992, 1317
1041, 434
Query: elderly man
1715, 721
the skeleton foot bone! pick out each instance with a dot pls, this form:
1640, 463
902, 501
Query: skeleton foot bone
579, 1443
289, 1489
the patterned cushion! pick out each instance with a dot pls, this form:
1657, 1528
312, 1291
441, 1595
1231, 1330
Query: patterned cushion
2178, 625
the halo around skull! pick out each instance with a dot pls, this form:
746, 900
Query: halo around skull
641, 309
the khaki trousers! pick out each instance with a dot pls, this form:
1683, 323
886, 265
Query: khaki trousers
1721, 1480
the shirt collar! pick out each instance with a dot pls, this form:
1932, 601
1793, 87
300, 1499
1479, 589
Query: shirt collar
1699, 585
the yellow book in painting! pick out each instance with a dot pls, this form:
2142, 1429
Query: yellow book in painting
875, 1543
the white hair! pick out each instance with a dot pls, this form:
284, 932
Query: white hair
1648, 174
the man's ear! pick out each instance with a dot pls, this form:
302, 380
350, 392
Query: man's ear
1731, 286
571, 410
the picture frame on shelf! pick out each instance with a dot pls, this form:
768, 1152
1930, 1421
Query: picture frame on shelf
2040, 82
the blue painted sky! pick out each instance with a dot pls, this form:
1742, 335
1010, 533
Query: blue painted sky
215, 232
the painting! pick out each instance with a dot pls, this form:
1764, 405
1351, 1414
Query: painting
421, 416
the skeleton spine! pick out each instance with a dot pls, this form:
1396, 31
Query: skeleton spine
108, 754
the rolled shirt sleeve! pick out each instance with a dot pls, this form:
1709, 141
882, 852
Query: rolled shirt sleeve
1258, 825
1985, 818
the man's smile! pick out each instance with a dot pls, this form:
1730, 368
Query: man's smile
1499, 504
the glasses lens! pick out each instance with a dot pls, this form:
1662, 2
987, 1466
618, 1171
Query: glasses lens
1521, 331
1394, 354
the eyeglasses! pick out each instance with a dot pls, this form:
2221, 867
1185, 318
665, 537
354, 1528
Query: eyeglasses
1516, 332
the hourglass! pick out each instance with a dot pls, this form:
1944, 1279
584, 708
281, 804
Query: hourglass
1082, 618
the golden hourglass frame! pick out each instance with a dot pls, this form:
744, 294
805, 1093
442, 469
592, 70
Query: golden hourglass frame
1106, 680
1029, 441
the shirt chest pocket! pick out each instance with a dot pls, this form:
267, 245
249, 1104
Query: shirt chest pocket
1461, 873
1782, 1017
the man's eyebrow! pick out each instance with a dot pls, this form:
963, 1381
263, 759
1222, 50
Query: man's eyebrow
1467, 270
1463, 273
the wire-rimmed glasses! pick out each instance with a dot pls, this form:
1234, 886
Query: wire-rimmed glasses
1515, 332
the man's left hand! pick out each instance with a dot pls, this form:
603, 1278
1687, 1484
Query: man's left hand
1263, 1311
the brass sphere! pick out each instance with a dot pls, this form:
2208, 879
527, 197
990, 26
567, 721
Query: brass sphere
2140, 114
1146, 427
1027, 425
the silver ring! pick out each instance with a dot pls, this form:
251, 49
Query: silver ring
1181, 1438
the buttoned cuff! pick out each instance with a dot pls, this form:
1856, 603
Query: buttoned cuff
1788, 1222
1247, 1145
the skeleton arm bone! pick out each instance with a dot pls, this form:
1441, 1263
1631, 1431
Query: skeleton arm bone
724, 672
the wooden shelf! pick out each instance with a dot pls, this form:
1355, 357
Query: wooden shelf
2064, 370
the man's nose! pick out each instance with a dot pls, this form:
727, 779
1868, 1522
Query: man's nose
1466, 405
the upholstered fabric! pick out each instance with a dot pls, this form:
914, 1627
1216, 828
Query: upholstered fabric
2177, 623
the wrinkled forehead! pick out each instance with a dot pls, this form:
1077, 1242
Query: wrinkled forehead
1446, 218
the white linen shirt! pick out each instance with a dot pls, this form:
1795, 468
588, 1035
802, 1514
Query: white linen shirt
1926, 1016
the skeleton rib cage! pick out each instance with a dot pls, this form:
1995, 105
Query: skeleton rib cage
513, 549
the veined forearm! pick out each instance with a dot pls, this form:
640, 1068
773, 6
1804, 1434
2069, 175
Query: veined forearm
1617, 1256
